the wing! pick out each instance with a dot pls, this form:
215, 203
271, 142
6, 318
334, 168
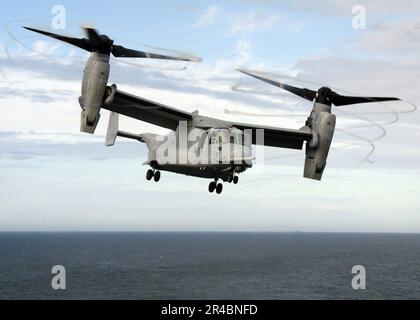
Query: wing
278, 137
145, 110
168, 117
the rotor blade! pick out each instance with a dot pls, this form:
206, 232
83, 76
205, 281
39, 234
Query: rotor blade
339, 100
121, 52
301, 92
82, 43
92, 35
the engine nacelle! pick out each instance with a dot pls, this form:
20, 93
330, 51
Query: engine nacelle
323, 126
95, 79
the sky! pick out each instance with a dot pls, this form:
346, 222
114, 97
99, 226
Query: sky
54, 178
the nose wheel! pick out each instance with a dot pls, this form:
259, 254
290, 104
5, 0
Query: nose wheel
153, 174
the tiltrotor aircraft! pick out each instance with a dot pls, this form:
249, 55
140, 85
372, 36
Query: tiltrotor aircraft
197, 145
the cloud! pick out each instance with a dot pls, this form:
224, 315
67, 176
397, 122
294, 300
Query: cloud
45, 47
252, 21
242, 52
208, 18
33, 145
392, 38
36, 95
344, 7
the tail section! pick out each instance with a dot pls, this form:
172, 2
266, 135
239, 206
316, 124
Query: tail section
112, 132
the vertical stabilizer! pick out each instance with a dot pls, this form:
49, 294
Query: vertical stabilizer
112, 131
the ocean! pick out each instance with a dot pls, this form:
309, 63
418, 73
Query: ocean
184, 265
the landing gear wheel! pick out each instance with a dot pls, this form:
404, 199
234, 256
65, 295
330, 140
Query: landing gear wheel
235, 179
157, 176
149, 174
230, 179
219, 188
212, 186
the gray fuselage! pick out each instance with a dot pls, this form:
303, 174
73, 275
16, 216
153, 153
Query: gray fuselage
213, 153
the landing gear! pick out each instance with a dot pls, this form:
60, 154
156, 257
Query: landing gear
218, 187
212, 186
149, 174
157, 176
235, 180
152, 174
215, 186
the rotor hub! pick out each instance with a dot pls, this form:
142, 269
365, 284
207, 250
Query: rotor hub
324, 96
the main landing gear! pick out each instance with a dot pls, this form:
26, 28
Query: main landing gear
215, 186
234, 179
155, 174
219, 187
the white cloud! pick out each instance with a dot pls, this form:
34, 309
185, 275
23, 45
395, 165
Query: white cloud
252, 21
396, 37
242, 52
208, 17
45, 47
344, 7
